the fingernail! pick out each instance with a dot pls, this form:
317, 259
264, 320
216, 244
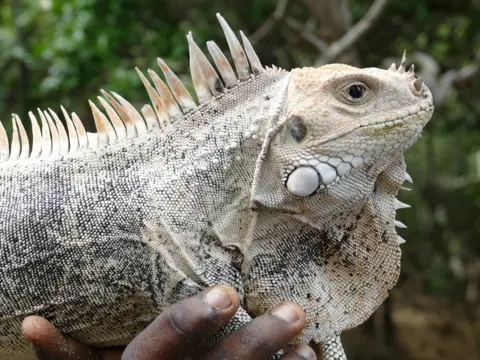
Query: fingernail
286, 312
219, 298
305, 352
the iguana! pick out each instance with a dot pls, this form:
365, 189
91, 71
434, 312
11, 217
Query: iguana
280, 183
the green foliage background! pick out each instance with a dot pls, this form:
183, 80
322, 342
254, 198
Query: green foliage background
55, 52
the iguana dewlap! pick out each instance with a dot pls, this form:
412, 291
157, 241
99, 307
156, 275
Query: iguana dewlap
279, 183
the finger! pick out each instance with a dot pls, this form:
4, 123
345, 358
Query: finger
49, 344
262, 337
184, 325
300, 352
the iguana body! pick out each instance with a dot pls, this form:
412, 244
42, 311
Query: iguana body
279, 183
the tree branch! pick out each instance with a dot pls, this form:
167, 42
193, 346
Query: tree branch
446, 82
307, 34
270, 23
332, 52
356, 32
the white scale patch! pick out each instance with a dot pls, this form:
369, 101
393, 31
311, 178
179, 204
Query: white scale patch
303, 181
328, 171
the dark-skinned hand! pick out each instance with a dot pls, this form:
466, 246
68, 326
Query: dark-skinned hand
178, 332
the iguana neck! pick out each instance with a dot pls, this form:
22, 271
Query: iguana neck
216, 149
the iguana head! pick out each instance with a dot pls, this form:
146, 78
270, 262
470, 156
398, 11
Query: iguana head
340, 118
330, 171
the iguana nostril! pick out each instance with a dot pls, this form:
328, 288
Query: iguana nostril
418, 85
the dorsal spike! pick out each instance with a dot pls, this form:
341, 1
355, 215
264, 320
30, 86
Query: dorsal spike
4, 145
133, 114
112, 134
238, 55
56, 138
411, 71
150, 117
117, 123
400, 225
62, 134
223, 66
54, 133
401, 68
255, 63
155, 98
199, 82
408, 178
72, 133
46, 136
177, 88
15, 145
81, 133
106, 134
203, 65
93, 140
393, 67
129, 123
401, 205
400, 240
36, 137
25, 144
166, 96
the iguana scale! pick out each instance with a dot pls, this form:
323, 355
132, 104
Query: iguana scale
280, 183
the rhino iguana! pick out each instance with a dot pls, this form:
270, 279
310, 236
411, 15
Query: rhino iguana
280, 183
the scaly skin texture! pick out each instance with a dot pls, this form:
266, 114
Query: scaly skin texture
282, 186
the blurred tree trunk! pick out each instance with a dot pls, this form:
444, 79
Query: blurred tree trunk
333, 20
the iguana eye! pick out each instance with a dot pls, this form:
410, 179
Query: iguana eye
356, 91
298, 129
356, 94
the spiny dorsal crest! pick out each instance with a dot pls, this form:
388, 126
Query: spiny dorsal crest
121, 120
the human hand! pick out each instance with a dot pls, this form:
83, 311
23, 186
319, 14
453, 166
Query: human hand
178, 332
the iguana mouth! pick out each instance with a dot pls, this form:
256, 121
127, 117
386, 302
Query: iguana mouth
421, 112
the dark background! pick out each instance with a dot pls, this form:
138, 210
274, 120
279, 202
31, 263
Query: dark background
56, 53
